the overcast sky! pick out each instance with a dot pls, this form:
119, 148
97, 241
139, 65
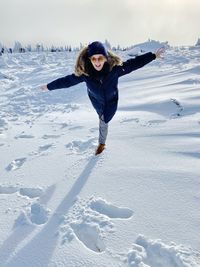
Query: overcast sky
124, 22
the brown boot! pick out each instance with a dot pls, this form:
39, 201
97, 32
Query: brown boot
99, 149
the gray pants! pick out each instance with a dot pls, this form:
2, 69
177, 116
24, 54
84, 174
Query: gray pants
103, 130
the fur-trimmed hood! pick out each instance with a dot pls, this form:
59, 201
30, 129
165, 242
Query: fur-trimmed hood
83, 62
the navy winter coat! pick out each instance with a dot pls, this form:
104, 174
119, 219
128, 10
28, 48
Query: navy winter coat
103, 93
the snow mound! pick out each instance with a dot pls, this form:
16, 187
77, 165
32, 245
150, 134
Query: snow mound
169, 108
154, 253
194, 70
148, 46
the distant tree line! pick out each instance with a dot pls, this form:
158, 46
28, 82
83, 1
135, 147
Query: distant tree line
19, 48
39, 47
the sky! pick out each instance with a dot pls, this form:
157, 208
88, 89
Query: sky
123, 22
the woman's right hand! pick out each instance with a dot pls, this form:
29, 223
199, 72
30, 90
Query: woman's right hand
44, 87
160, 53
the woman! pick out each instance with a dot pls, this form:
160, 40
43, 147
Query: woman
100, 70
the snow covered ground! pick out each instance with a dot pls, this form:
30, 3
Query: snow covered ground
137, 204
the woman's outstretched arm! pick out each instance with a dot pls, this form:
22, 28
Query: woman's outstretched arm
139, 61
63, 82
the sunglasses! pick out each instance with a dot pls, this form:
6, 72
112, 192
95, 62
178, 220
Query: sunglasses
99, 59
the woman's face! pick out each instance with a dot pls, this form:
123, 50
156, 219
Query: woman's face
98, 61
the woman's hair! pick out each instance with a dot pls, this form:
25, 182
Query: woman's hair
83, 63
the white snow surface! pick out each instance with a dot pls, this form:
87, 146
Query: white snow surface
136, 204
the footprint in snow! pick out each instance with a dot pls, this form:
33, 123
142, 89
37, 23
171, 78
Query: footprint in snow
8, 189
16, 164
76, 128
50, 136
90, 221
150, 122
42, 150
64, 125
125, 120
35, 214
156, 122
81, 147
31, 192
95, 129
45, 148
38, 214
179, 108
89, 235
3, 124
24, 136
23, 191
110, 210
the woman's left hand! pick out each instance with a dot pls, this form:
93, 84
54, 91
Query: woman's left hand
160, 52
44, 87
